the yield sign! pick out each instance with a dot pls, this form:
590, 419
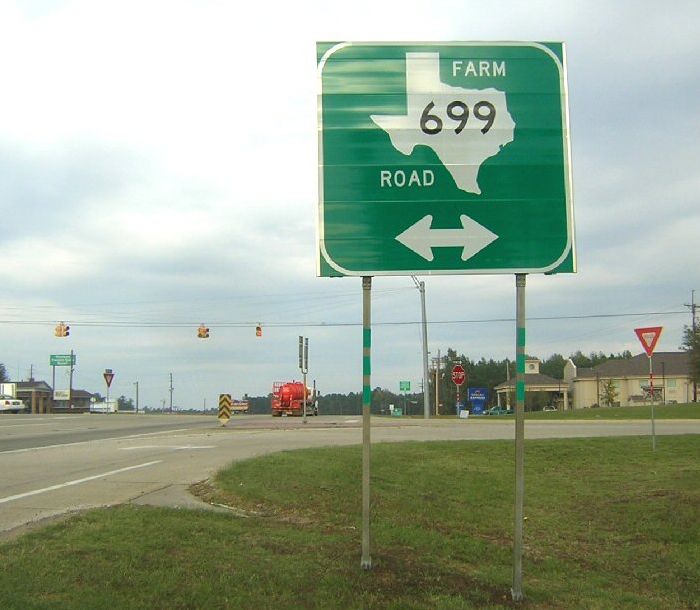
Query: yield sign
108, 375
649, 337
458, 375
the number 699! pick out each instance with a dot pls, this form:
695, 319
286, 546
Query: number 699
458, 111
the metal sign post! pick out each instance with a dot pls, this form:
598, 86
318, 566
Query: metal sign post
443, 158
517, 590
651, 400
366, 561
649, 337
458, 377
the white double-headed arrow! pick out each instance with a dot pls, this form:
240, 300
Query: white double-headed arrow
472, 237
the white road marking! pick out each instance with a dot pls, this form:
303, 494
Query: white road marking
44, 421
76, 482
24, 425
173, 447
115, 438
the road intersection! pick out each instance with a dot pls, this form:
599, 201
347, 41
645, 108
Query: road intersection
54, 465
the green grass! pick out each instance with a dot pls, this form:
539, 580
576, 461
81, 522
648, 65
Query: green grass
610, 524
686, 411
682, 411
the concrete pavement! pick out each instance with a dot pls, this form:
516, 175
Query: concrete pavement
52, 466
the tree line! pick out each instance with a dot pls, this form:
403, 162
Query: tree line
481, 373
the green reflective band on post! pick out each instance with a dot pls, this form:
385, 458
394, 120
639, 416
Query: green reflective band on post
520, 363
366, 395
366, 337
366, 365
520, 391
521, 337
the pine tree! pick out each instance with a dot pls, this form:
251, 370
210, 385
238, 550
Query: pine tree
691, 344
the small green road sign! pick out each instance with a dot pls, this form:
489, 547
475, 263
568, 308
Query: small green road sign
61, 359
443, 158
404, 386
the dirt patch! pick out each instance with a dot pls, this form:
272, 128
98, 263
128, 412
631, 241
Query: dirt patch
402, 573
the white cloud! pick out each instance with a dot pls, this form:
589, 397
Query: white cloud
158, 164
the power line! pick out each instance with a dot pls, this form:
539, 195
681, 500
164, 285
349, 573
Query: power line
266, 298
230, 324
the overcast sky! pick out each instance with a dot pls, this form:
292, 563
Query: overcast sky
158, 169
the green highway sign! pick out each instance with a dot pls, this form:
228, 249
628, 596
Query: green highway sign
61, 359
404, 386
443, 158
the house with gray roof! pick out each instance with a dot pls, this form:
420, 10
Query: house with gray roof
630, 381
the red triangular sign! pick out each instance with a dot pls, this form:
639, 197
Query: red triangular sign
649, 337
108, 378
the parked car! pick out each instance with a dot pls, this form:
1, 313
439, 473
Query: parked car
549, 408
11, 405
499, 411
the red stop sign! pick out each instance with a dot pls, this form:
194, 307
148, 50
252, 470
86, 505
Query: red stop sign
458, 374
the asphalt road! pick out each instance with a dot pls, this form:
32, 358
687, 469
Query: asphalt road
55, 464
24, 432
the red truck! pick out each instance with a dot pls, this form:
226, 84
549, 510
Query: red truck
288, 399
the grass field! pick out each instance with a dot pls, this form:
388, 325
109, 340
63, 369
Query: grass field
610, 524
688, 411
684, 411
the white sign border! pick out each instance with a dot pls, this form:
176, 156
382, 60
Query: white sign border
568, 178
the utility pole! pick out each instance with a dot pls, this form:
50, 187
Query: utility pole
171, 392
426, 394
304, 368
694, 326
136, 383
70, 383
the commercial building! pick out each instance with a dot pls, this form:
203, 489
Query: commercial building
627, 380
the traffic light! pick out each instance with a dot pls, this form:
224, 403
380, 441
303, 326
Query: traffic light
203, 332
62, 330
258, 331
